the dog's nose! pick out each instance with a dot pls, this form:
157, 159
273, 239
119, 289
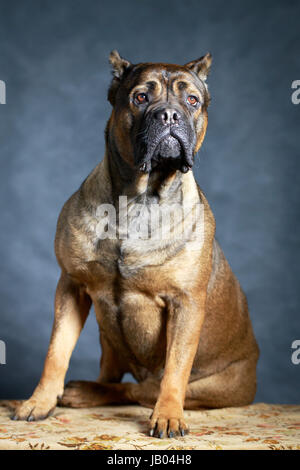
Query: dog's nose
167, 116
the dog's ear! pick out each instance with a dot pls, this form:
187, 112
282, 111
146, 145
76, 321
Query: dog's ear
119, 68
201, 66
119, 65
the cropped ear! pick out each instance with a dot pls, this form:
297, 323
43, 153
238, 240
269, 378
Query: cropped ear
119, 67
201, 66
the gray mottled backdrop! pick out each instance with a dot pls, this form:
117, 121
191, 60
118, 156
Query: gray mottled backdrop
53, 58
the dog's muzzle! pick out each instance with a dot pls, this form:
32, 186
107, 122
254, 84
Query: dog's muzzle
168, 139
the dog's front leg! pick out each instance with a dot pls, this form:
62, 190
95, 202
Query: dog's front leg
185, 318
72, 306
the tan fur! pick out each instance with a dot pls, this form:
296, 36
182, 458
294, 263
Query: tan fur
173, 315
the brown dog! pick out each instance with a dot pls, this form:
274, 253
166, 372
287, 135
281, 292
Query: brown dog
170, 310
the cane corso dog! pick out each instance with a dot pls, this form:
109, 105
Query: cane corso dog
170, 310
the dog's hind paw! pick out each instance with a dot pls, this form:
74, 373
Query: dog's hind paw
83, 394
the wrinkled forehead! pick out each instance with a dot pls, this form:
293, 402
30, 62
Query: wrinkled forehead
160, 77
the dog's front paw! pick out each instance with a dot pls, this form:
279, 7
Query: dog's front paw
34, 409
167, 421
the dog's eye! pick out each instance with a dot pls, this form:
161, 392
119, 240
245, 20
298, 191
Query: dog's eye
141, 98
193, 100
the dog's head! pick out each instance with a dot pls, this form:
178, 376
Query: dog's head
159, 115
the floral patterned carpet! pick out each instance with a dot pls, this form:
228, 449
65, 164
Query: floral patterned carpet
258, 426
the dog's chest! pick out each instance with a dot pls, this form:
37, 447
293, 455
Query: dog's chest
135, 239
146, 235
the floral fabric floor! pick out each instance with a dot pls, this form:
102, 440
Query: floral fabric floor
258, 426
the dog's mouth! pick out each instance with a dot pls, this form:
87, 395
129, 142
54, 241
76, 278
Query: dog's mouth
171, 151
169, 147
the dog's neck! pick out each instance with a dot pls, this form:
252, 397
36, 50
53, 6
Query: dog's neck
160, 186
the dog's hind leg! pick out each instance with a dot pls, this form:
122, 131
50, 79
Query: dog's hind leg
233, 386
84, 394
